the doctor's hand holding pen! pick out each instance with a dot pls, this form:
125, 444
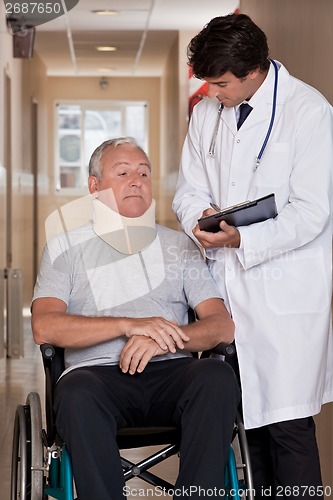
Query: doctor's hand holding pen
228, 236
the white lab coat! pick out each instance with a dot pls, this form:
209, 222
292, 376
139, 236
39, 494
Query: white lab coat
278, 284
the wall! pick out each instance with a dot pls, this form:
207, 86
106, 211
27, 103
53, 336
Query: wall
300, 35
3, 52
170, 137
28, 90
183, 69
174, 122
16, 201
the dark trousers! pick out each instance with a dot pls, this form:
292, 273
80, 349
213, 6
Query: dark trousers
199, 396
285, 460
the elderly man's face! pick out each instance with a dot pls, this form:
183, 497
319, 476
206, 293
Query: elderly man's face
125, 185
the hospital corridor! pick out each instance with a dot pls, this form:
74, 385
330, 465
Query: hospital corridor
76, 73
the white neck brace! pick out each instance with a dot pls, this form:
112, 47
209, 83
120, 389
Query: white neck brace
127, 235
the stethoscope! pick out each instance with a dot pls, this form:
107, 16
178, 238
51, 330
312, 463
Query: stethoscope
211, 150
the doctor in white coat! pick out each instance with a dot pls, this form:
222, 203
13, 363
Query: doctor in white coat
276, 275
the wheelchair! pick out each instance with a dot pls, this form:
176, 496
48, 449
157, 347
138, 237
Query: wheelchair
41, 466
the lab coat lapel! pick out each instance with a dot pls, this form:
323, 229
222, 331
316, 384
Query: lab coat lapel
259, 114
262, 110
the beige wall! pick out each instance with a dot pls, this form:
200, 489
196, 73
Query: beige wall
27, 90
170, 138
5, 56
300, 35
184, 39
174, 123
24, 79
169, 113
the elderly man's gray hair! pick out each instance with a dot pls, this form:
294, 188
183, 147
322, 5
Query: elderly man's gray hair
95, 167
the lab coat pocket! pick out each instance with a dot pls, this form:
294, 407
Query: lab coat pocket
297, 283
273, 169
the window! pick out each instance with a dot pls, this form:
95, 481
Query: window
81, 127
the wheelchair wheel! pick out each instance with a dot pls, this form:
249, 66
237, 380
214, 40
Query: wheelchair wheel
27, 455
242, 462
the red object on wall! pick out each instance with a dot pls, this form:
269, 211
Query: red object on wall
197, 91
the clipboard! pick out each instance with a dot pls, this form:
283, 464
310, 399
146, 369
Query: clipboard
243, 214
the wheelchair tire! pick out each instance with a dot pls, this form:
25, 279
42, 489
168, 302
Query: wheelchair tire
243, 462
27, 474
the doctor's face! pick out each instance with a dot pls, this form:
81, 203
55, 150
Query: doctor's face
125, 184
231, 91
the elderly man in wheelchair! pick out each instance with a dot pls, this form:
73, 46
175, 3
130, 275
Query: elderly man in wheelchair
115, 294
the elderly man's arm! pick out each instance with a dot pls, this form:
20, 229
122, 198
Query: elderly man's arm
51, 324
214, 325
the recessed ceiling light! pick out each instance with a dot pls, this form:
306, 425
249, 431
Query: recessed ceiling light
106, 70
105, 12
106, 48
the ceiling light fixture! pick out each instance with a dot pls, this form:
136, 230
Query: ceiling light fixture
106, 48
105, 12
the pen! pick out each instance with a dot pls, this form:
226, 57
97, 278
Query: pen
239, 205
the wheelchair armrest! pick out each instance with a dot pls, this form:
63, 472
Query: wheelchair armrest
224, 349
53, 362
48, 351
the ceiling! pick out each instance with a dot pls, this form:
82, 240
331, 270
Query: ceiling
142, 31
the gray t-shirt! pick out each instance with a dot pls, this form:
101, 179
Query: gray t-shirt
94, 279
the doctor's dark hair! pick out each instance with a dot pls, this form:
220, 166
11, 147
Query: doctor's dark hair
95, 167
228, 43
